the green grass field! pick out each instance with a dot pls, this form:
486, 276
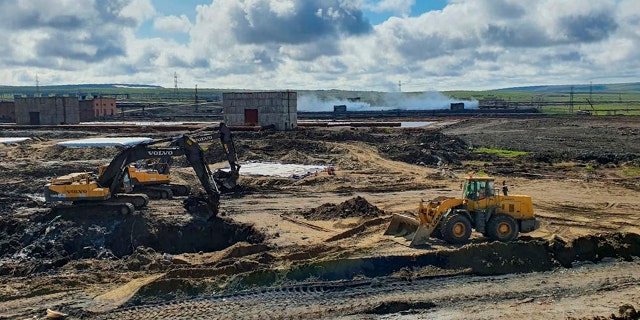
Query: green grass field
610, 99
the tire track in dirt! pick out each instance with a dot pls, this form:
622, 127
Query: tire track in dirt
433, 296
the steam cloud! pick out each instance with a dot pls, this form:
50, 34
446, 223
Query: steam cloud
392, 101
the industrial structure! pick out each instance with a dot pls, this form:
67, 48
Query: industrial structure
97, 108
278, 109
7, 111
47, 110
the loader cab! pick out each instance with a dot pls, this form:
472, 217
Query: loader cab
478, 188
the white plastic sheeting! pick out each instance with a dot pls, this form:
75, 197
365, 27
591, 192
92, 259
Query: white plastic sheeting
104, 142
273, 169
13, 140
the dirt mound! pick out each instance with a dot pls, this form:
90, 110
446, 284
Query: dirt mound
426, 147
355, 207
44, 241
625, 312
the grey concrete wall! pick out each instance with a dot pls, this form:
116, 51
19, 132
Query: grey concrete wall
86, 110
279, 108
7, 111
51, 110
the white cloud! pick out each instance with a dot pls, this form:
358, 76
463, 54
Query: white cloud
172, 24
323, 44
138, 10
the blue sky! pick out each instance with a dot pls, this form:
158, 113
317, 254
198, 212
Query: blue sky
188, 8
428, 45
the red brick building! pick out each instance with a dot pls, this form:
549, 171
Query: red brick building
98, 108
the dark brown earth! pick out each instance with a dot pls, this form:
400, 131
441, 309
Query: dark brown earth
355, 207
323, 233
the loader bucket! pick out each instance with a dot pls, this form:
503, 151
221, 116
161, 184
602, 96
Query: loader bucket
421, 236
409, 228
401, 226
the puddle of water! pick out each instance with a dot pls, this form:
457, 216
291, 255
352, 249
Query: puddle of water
416, 124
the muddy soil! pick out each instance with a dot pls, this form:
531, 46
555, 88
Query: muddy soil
324, 233
357, 207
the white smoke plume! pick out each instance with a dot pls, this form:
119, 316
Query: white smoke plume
393, 101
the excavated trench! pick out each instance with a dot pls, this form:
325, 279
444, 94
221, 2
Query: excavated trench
44, 240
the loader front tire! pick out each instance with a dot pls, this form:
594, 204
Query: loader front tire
502, 228
456, 229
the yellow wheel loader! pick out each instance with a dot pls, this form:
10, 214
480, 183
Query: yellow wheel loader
481, 207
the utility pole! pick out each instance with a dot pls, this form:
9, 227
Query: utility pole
175, 84
400, 86
196, 98
571, 101
37, 86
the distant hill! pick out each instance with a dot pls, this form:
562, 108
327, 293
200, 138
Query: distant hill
615, 87
86, 86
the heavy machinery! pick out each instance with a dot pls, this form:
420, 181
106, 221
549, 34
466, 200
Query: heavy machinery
152, 176
97, 194
481, 207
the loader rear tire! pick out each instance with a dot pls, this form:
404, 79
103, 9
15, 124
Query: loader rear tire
502, 228
456, 229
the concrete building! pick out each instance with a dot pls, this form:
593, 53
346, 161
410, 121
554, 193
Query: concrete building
279, 108
7, 111
97, 108
47, 110
457, 105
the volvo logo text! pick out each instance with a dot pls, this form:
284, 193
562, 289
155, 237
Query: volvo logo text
160, 152
205, 138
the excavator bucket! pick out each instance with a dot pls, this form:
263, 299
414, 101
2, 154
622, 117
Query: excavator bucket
408, 228
228, 180
203, 206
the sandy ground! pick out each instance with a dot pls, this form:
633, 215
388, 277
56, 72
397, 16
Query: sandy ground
581, 172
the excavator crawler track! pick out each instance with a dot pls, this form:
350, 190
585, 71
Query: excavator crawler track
157, 192
180, 189
138, 200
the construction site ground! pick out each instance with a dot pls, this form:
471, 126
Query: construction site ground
313, 247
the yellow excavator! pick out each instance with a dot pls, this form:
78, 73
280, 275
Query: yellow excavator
481, 207
152, 176
103, 193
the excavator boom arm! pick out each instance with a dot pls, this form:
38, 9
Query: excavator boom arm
226, 179
111, 177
